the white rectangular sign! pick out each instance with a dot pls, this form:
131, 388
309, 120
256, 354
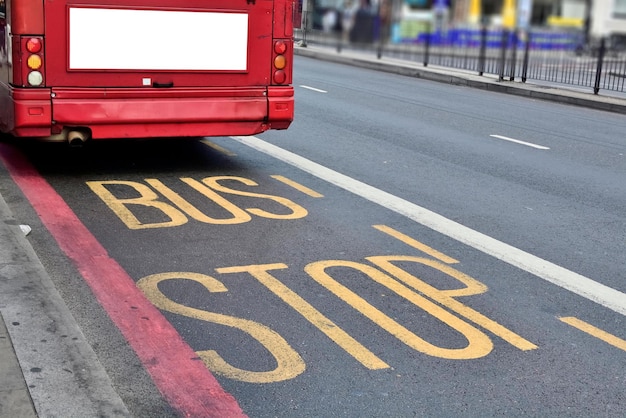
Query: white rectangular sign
118, 39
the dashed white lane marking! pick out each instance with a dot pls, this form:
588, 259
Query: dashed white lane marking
313, 88
566, 279
517, 141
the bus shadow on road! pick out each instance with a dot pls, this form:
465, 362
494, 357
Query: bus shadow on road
126, 156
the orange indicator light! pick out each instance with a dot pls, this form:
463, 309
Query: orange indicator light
34, 62
280, 62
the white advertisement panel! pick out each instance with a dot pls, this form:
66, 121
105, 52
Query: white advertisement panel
117, 39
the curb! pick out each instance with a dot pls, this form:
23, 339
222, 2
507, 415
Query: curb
60, 374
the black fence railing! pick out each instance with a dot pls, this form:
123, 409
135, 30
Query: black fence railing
511, 55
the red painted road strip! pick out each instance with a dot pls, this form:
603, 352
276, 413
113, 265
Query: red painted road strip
180, 375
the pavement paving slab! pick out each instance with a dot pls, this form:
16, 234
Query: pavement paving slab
15, 398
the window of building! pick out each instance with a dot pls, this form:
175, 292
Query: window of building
619, 9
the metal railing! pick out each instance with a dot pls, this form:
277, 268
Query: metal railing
561, 58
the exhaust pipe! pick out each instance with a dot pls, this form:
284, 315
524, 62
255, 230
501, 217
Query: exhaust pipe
77, 138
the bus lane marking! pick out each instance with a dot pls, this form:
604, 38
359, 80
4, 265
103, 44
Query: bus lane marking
175, 210
315, 317
289, 364
446, 297
381, 271
478, 344
415, 244
595, 332
297, 186
550, 272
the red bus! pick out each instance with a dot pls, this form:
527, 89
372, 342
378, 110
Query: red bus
71, 70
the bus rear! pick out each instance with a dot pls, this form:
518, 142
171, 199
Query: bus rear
147, 68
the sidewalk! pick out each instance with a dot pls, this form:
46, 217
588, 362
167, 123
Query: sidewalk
560, 93
34, 377
47, 367
14, 397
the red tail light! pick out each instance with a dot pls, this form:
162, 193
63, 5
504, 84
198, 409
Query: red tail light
33, 45
33, 61
281, 68
280, 47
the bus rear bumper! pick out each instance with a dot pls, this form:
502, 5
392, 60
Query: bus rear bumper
27, 112
142, 113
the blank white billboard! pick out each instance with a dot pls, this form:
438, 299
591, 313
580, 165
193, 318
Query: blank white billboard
119, 39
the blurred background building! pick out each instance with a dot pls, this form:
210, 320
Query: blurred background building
406, 20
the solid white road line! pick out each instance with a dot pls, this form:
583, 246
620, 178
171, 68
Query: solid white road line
517, 141
566, 279
314, 89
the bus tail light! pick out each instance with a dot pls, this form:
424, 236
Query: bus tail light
33, 45
281, 64
33, 61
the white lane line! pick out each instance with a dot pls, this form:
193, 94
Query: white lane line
566, 279
313, 88
517, 141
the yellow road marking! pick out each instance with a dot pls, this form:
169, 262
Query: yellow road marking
445, 297
297, 211
171, 216
478, 344
595, 332
315, 317
218, 148
238, 215
289, 364
147, 198
416, 244
297, 186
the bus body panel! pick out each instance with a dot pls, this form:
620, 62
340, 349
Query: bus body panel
160, 36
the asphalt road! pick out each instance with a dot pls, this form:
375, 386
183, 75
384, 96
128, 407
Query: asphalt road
406, 248
434, 145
